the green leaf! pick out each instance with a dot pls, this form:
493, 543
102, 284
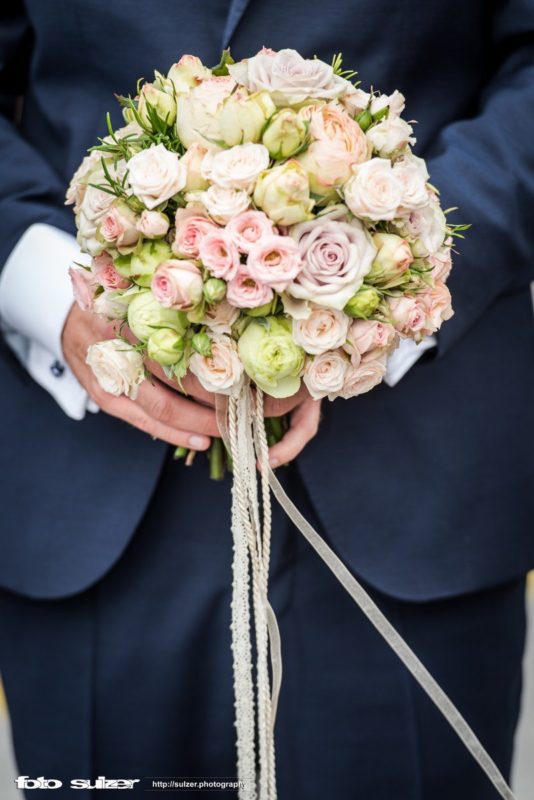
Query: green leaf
222, 67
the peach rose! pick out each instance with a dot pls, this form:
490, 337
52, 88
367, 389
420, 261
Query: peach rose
338, 143
220, 317
374, 192
363, 378
324, 329
325, 374
369, 336
222, 371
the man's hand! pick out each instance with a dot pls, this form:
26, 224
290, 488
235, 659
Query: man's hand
161, 412
303, 420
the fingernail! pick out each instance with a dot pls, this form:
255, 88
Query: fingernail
198, 442
273, 462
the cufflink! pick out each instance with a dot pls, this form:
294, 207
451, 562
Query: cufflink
57, 369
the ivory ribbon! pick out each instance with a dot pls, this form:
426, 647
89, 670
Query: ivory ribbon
242, 428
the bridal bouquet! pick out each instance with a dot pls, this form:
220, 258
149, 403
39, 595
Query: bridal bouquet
263, 218
261, 224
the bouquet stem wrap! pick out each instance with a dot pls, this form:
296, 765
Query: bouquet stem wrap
241, 424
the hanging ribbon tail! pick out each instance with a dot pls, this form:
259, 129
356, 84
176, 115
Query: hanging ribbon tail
361, 598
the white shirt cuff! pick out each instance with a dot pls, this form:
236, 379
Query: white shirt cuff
35, 299
405, 356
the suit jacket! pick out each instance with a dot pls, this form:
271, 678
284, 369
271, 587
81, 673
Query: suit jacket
426, 489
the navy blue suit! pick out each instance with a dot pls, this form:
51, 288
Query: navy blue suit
425, 490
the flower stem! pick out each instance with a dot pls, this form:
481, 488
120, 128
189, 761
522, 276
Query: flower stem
216, 459
180, 452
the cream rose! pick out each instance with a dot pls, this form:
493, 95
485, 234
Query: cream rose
220, 317
153, 224
325, 374
243, 117
117, 366
390, 135
374, 192
411, 171
289, 78
369, 336
193, 160
236, 168
198, 113
283, 192
324, 329
222, 371
224, 204
155, 175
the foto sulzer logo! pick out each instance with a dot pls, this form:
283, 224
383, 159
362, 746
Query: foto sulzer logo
25, 782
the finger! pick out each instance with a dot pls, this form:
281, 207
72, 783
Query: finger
129, 411
274, 407
304, 423
176, 411
191, 385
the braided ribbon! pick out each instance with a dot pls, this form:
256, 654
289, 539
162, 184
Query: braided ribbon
242, 428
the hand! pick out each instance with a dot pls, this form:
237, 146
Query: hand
303, 425
163, 413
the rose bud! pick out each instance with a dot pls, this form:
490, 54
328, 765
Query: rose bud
285, 134
153, 224
146, 315
363, 303
201, 343
243, 117
214, 290
162, 103
165, 346
284, 194
187, 73
177, 284
392, 260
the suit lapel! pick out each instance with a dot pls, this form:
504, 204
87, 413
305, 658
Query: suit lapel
237, 9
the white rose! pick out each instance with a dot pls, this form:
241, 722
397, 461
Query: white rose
325, 374
222, 371
156, 174
355, 100
220, 317
224, 204
363, 378
426, 228
389, 135
78, 183
289, 78
395, 102
236, 168
117, 366
411, 171
324, 329
374, 192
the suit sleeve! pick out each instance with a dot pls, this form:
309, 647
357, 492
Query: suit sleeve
485, 166
30, 190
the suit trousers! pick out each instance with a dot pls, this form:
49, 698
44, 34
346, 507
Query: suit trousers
132, 677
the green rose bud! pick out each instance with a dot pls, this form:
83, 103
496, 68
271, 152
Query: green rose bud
146, 315
364, 119
242, 119
153, 99
364, 302
201, 342
285, 134
165, 346
214, 290
283, 192
259, 311
141, 265
270, 356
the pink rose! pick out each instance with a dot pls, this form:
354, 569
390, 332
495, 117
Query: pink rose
248, 229
369, 336
408, 314
441, 263
83, 287
191, 227
177, 284
106, 275
363, 378
437, 302
275, 261
337, 256
338, 143
219, 254
325, 374
245, 292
